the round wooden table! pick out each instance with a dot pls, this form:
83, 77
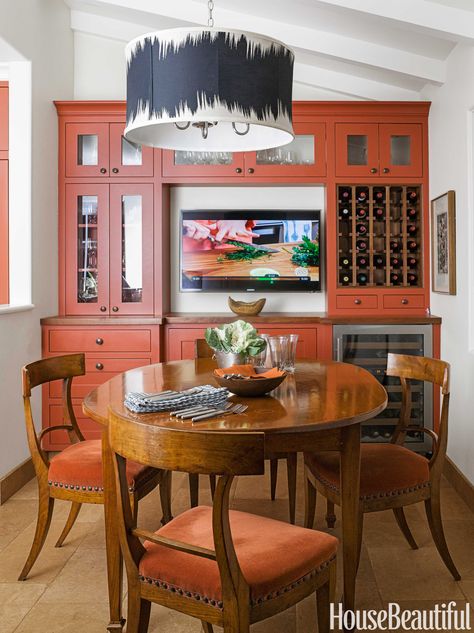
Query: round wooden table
320, 407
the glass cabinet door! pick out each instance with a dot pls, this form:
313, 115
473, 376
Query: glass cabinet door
357, 149
202, 163
87, 251
131, 249
127, 158
401, 152
304, 156
87, 149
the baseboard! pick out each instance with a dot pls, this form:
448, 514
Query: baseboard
459, 482
16, 479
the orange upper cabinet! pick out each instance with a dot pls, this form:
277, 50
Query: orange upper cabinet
201, 164
100, 149
3, 116
372, 149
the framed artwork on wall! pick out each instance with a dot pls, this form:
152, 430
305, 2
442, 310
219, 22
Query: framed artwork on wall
443, 244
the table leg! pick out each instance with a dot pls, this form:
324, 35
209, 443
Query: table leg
351, 524
114, 555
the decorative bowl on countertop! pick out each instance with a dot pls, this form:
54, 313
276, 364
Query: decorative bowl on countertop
246, 308
250, 387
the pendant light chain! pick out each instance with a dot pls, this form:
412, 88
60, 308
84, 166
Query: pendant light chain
210, 19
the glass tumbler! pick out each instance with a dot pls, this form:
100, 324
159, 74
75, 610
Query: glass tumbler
260, 360
278, 351
291, 353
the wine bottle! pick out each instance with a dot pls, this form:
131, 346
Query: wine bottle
361, 229
395, 279
411, 262
344, 262
379, 196
412, 278
362, 279
395, 246
344, 213
412, 196
379, 261
395, 262
362, 261
361, 245
361, 196
344, 279
411, 213
412, 229
412, 245
379, 213
345, 194
361, 212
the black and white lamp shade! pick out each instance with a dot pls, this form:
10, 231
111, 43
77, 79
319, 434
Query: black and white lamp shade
233, 78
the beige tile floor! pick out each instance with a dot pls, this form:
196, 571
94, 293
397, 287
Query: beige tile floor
66, 590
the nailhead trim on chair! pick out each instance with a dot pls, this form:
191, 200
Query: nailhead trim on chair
377, 495
218, 603
57, 484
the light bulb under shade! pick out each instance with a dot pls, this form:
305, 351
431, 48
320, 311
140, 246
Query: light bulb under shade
209, 75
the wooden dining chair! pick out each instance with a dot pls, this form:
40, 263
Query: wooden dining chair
75, 474
202, 350
224, 567
393, 476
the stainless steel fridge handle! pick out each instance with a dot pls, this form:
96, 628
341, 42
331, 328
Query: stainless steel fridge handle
338, 349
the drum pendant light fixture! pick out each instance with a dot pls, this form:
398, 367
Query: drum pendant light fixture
209, 89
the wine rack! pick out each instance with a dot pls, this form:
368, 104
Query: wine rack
367, 346
379, 236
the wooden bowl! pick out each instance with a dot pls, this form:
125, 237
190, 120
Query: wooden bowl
250, 388
246, 308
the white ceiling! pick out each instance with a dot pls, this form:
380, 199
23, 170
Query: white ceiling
365, 49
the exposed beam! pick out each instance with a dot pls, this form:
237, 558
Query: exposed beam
443, 21
332, 45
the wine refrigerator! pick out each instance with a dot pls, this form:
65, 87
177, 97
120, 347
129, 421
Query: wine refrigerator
367, 346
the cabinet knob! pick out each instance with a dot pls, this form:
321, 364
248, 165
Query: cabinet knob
115, 309
99, 366
250, 170
386, 170
115, 170
238, 170
373, 170
99, 341
103, 170
404, 302
357, 302
103, 308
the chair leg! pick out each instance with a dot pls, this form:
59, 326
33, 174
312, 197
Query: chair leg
433, 513
165, 497
73, 512
330, 516
273, 477
45, 513
207, 627
403, 525
194, 489
212, 484
322, 602
309, 504
138, 614
291, 466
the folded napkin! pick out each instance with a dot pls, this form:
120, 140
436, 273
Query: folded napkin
175, 400
248, 371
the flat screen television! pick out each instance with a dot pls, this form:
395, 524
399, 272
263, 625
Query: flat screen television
250, 251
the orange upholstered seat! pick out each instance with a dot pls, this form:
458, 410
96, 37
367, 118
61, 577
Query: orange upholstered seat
79, 467
273, 556
386, 470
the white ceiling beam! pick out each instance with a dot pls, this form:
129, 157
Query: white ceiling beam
351, 85
331, 45
444, 21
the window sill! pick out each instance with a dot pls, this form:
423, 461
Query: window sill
8, 309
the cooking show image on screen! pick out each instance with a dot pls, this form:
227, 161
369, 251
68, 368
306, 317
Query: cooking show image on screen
250, 251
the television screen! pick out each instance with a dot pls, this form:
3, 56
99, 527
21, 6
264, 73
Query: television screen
250, 251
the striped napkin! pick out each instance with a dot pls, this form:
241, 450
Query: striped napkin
205, 395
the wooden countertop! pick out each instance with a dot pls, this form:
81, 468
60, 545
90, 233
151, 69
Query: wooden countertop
196, 318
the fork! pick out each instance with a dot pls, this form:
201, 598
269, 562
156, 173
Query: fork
201, 410
236, 409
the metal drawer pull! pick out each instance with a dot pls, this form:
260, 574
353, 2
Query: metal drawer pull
115, 170
99, 366
103, 170
373, 170
99, 341
250, 170
103, 308
357, 302
238, 170
386, 170
115, 309
404, 302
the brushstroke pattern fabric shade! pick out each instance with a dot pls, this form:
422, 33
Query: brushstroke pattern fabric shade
205, 74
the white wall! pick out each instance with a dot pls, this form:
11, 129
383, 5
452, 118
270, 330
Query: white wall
40, 31
189, 198
450, 168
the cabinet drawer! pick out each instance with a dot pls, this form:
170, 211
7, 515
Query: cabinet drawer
356, 302
99, 370
100, 341
403, 301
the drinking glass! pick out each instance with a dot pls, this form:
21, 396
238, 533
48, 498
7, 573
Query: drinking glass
260, 360
291, 352
278, 350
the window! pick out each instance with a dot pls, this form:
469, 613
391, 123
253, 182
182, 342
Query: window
4, 256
